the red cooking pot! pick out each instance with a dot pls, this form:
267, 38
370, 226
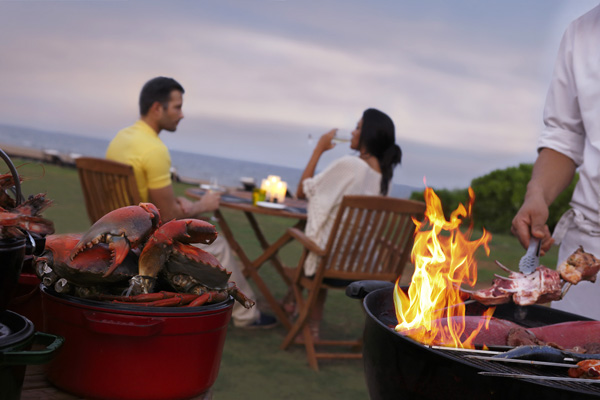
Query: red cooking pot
131, 352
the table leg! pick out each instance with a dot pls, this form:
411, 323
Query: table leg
265, 245
252, 272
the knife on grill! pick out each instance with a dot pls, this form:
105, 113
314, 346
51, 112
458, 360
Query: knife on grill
531, 260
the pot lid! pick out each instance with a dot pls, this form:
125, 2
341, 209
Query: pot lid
14, 328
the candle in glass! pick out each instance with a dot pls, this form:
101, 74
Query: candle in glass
266, 186
272, 181
281, 189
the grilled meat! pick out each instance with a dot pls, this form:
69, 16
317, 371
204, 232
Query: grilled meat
586, 369
580, 266
576, 336
541, 286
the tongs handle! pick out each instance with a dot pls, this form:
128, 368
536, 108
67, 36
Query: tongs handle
535, 245
530, 261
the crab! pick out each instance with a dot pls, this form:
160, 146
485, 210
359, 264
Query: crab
103, 263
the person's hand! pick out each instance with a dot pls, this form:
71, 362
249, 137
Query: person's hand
325, 141
186, 205
530, 221
210, 201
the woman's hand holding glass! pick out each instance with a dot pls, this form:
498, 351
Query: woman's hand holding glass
326, 141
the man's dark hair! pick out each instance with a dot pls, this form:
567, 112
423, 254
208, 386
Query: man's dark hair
157, 89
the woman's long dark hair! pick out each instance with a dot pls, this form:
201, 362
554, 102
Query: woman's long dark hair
378, 137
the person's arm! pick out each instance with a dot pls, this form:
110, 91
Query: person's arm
322, 146
172, 207
552, 173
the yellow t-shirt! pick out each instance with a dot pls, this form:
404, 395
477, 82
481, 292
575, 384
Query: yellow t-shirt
140, 147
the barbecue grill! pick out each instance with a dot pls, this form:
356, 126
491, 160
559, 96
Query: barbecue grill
399, 367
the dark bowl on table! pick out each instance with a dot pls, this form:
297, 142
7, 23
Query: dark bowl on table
248, 184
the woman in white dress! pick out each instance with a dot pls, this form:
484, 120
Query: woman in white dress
369, 173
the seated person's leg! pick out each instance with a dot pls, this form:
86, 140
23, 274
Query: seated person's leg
242, 317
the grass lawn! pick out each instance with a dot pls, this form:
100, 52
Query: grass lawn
252, 366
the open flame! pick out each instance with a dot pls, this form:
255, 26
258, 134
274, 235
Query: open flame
433, 311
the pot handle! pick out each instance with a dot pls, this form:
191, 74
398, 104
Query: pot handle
31, 357
123, 325
359, 289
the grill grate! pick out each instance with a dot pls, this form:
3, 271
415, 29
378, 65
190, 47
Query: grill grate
523, 369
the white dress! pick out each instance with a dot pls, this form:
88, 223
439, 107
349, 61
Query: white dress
348, 175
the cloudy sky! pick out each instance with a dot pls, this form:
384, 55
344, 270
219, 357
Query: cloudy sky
463, 80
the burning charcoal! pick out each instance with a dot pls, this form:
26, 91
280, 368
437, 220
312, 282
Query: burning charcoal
580, 266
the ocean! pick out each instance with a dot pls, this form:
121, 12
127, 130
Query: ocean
190, 166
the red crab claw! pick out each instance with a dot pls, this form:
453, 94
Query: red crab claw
62, 245
122, 229
186, 231
169, 237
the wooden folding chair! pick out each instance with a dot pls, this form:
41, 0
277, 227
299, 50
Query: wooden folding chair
371, 239
107, 185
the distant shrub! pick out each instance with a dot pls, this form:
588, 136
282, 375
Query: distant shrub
498, 197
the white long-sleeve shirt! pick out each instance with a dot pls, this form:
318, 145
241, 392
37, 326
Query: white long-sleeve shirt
572, 111
572, 127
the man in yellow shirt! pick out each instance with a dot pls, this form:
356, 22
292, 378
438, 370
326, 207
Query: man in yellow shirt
161, 102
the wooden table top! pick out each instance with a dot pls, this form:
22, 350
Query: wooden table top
242, 200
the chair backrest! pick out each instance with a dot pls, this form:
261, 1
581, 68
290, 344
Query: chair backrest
107, 185
371, 238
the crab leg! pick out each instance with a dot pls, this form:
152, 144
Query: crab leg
160, 299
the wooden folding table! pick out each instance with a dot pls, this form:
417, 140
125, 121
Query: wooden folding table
242, 201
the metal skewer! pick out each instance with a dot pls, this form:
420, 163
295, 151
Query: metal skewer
456, 305
465, 350
519, 361
565, 289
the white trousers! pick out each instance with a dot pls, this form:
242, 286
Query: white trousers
222, 251
571, 232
